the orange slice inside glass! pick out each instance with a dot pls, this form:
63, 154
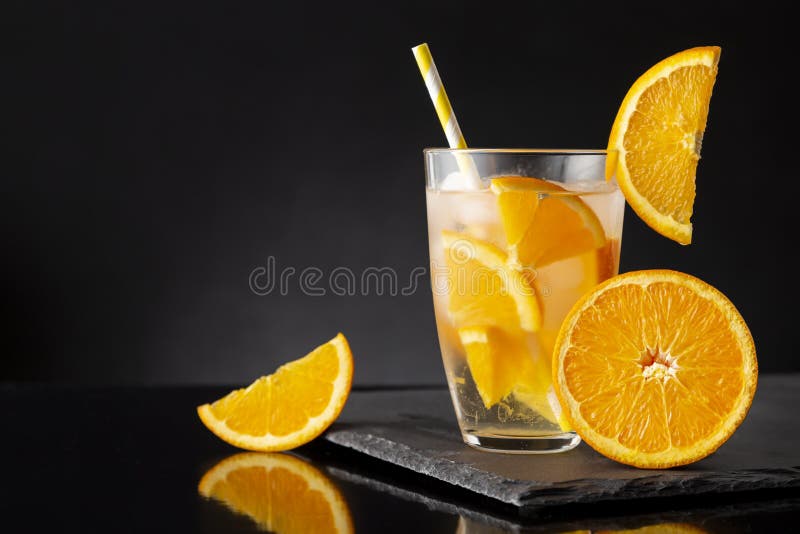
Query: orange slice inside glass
543, 223
483, 289
559, 244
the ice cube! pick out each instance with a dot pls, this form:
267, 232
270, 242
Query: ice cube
476, 209
458, 181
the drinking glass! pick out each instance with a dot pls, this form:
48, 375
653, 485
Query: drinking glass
516, 238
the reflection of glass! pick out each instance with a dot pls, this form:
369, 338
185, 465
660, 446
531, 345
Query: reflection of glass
468, 526
514, 243
281, 493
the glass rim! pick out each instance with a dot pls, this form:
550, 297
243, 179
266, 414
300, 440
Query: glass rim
531, 151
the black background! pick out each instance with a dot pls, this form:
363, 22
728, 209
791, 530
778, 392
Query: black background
158, 152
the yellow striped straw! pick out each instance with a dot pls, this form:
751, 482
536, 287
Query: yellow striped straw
444, 110
438, 95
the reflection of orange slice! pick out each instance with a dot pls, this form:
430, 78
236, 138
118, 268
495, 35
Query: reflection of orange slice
664, 528
288, 408
484, 290
281, 493
543, 222
655, 368
657, 136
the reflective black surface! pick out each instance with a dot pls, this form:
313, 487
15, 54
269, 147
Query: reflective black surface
133, 459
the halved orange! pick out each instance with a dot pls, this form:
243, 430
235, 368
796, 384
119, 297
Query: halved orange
655, 368
484, 290
288, 408
655, 142
281, 493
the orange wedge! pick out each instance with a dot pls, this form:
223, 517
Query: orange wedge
655, 368
281, 493
543, 401
493, 359
288, 408
497, 360
543, 223
557, 240
502, 363
492, 306
656, 138
484, 289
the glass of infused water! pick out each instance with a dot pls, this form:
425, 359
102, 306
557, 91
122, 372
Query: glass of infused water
516, 237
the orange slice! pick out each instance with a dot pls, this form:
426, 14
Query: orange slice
559, 245
544, 223
656, 138
559, 242
484, 290
288, 408
543, 401
655, 368
560, 285
496, 360
502, 363
281, 493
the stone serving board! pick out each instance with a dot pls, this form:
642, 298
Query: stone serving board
416, 429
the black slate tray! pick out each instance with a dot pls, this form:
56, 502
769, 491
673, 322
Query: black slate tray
416, 429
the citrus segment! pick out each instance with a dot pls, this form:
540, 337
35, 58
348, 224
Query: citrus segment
289, 407
281, 493
502, 363
544, 223
657, 136
484, 290
557, 240
496, 360
545, 403
560, 285
655, 368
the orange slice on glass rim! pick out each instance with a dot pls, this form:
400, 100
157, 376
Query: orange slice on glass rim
655, 142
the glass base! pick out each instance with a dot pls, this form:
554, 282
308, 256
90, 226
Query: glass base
546, 444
